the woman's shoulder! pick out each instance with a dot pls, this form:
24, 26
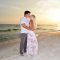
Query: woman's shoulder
31, 21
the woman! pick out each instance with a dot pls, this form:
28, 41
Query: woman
32, 44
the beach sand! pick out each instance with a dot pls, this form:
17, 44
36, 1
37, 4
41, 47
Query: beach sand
49, 48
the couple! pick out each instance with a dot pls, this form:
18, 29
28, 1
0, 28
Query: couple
28, 43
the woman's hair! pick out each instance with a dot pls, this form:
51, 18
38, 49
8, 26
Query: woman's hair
33, 17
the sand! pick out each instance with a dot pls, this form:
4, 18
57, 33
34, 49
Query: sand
49, 48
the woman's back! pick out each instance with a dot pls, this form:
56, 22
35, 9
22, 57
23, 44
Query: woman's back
31, 25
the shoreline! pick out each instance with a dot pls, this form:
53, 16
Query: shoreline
15, 41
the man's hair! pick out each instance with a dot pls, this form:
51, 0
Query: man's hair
26, 12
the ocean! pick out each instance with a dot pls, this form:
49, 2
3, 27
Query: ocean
12, 31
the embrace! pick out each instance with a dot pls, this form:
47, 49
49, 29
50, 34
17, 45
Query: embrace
28, 43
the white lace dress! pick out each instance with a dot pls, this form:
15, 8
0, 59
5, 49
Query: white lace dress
32, 44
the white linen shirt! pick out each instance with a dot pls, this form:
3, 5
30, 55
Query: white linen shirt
26, 21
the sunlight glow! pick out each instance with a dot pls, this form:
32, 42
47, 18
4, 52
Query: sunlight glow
53, 15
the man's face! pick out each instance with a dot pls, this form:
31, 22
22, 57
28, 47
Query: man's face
28, 15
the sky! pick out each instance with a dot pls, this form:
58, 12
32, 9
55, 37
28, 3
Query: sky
46, 11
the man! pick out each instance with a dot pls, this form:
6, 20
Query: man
24, 23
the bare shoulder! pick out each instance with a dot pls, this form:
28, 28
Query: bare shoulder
31, 21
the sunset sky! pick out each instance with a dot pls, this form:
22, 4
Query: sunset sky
46, 11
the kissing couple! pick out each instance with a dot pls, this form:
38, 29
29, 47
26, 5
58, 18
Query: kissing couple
28, 43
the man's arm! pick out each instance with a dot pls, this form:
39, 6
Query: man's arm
24, 25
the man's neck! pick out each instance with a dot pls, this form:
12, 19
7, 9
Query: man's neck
26, 16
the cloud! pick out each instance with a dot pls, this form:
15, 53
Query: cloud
48, 3
43, 5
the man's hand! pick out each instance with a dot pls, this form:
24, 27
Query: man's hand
24, 25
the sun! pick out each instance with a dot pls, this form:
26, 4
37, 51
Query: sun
53, 15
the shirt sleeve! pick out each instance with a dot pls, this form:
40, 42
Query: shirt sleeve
22, 21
